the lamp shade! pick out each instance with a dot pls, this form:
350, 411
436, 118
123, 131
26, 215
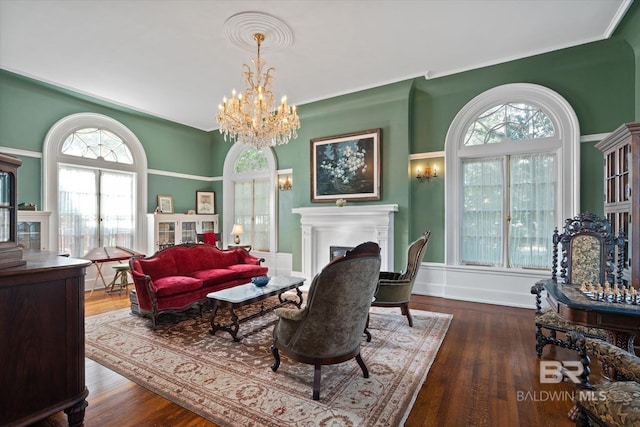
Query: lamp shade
237, 229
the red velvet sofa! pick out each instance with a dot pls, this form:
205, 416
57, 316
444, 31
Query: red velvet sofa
180, 277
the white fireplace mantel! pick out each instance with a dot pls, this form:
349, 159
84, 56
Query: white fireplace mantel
326, 226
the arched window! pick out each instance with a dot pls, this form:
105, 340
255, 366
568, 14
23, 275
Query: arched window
512, 158
95, 184
249, 196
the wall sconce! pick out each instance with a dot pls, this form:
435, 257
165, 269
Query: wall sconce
285, 183
237, 231
427, 174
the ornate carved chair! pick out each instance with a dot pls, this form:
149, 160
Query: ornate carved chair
329, 329
587, 248
394, 289
615, 403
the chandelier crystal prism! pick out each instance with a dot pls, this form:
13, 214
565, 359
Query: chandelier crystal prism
252, 117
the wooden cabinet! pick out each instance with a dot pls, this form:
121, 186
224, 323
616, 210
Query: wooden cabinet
621, 152
33, 230
166, 230
42, 365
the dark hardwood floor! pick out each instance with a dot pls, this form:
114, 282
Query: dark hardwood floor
485, 374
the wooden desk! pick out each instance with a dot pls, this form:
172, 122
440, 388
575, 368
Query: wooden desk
98, 256
621, 321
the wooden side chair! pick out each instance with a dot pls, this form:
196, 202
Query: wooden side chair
394, 289
615, 403
329, 329
587, 248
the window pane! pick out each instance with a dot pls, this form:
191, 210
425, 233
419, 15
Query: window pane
77, 210
243, 209
117, 209
261, 214
533, 201
482, 217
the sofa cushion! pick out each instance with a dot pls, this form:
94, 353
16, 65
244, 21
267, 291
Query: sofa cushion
192, 258
214, 276
224, 259
157, 268
247, 271
176, 285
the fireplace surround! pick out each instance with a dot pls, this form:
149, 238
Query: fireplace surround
347, 226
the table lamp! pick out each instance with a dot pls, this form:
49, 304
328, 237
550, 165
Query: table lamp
237, 231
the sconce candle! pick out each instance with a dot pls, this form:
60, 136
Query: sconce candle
428, 173
285, 184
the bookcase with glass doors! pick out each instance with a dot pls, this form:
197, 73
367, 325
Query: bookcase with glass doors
621, 152
164, 230
33, 230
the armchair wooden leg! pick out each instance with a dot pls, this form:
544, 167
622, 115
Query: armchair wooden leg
366, 330
316, 382
405, 310
276, 356
365, 371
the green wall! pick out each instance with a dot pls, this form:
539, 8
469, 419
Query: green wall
597, 79
28, 109
600, 80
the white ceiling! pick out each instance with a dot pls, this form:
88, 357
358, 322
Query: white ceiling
171, 58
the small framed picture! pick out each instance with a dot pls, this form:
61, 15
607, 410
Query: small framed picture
165, 203
205, 202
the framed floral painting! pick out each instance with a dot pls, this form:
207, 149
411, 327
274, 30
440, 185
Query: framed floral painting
346, 167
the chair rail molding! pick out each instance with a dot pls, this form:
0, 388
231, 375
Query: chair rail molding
326, 226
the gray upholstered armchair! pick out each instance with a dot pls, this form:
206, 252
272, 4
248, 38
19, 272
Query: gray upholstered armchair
329, 328
615, 403
394, 289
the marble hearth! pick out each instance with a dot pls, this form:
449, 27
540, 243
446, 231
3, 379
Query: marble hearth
348, 226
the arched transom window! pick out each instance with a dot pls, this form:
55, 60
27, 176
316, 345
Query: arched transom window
510, 121
100, 144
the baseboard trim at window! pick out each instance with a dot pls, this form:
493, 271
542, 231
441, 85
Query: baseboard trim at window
507, 287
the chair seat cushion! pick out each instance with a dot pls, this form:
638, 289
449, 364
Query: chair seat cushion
215, 276
551, 320
615, 404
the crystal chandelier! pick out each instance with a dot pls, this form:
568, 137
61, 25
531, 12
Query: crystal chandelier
252, 118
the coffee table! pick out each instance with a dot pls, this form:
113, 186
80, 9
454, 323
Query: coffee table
239, 296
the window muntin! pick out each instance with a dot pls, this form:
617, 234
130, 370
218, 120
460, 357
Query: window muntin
100, 144
509, 121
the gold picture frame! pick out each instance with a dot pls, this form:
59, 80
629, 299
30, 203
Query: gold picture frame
346, 167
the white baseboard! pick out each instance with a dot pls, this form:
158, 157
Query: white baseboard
483, 285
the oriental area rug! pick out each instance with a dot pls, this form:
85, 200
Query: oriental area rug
232, 384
